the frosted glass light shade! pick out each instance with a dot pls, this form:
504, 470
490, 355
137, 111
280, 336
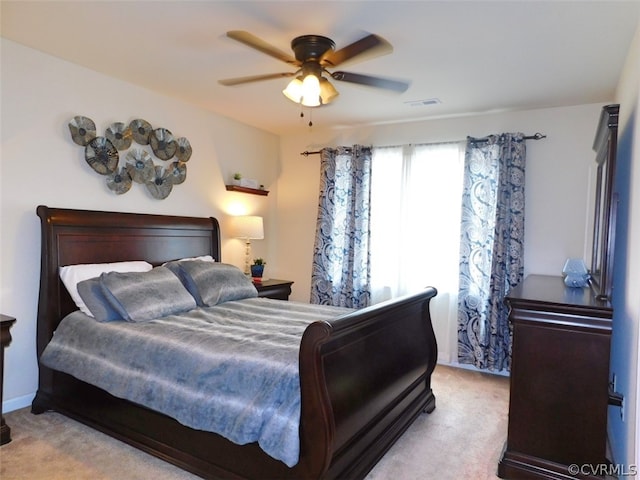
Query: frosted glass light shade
310, 91
294, 90
327, 91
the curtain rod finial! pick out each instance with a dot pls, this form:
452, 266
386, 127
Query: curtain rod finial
306, 153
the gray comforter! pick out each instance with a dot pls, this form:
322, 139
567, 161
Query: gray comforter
231, 369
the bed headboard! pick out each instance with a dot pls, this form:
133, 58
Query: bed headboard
81, 236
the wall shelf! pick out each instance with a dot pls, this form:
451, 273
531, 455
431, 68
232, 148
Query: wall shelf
254, 191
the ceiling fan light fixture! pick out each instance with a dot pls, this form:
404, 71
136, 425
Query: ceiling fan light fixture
313, 54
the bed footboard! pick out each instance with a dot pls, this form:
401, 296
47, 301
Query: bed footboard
365, 377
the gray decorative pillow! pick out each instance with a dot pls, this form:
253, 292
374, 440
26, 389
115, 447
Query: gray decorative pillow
212, 283
145, 296
174, 266
92, 294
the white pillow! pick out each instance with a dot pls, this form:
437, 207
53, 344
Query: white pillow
71, 275
204, 258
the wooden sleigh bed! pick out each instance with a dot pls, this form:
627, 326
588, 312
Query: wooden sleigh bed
364, 377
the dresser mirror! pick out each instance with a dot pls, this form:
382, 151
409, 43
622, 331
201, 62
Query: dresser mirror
604, 222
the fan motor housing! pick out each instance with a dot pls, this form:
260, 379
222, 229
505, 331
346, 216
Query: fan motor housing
311, 47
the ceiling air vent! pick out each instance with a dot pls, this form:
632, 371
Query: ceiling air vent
423, 103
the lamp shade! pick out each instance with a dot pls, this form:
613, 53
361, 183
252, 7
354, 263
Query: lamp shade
248, 227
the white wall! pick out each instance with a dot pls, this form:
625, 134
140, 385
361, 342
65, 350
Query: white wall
625, 357
557, 181
41, 165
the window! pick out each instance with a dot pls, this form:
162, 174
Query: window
416, 195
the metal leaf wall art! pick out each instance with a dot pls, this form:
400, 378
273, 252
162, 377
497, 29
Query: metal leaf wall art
138, 166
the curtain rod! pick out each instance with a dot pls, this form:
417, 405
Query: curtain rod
535, 136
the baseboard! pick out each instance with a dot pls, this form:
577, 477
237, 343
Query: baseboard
466, 366
17, 403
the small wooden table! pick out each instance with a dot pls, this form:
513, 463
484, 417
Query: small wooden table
273, 288
5, 339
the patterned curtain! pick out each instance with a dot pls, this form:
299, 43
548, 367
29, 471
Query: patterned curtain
492, 247
341, 267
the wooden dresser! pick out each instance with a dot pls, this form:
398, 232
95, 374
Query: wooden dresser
559, 381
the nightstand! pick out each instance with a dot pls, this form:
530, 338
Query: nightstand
273, 288
5, 339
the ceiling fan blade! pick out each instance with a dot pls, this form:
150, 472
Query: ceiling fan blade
254, 42
254, 78
378, 82
373, 45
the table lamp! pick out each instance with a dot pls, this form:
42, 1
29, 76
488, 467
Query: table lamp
247, 227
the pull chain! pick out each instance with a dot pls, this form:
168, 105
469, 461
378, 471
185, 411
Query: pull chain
310, 115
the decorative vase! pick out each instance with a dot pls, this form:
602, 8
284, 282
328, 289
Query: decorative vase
576, 273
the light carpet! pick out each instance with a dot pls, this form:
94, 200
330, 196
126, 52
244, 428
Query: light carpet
462, 439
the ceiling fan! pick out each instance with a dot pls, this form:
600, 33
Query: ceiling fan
314, 54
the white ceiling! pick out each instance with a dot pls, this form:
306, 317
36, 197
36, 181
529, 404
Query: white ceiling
474, 56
